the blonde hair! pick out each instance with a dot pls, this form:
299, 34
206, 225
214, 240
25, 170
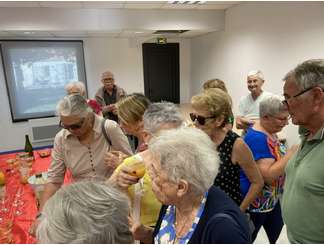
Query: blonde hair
215, 83
214, 100
131, 108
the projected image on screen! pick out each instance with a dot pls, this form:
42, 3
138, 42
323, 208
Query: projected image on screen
36, 73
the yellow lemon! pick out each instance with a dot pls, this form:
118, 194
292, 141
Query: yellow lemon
2, 178
136, 164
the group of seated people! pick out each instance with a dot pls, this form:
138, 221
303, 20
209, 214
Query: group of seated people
201, 183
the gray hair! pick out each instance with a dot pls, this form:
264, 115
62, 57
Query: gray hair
86, 212
271, 105
73, 104
159, 114
189, 154
76, 84
256, 73
308, 74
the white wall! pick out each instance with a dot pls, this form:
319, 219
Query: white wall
122, 56
273, 37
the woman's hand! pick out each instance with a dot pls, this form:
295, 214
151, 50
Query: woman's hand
124, 178
293, 149
114, 158
33, 227
140, 232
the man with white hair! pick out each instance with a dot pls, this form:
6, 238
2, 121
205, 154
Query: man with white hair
249, 104
108, 95
303, 198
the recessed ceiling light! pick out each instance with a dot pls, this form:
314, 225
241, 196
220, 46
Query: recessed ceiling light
139, 32
186, 2
29, 32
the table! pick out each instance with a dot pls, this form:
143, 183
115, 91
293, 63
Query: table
28, 207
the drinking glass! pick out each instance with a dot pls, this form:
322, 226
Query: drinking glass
3, 200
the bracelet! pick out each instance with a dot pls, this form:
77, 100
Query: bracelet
38, 215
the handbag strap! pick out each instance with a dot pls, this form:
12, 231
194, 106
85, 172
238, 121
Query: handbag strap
103, 122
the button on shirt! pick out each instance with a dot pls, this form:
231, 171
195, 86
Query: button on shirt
85, 162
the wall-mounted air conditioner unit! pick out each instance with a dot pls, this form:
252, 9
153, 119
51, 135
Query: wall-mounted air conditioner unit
43, 129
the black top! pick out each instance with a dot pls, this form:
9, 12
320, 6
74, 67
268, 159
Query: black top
111, 99
213, 225
228, 178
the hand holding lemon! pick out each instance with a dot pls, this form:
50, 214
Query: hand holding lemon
129, 171
136, 165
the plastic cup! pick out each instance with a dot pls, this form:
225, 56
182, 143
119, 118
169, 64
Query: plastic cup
24, 174
38, 194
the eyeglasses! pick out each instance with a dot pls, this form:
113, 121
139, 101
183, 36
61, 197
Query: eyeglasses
108, 80
285, 101
200, 119
72, 126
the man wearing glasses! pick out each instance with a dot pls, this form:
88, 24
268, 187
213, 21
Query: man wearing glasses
81, 146
249, 104
108, 95
303, 198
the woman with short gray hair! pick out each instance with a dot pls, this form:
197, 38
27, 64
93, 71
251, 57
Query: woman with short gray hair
182, 164
71, 105
80, 146
157, 117
86, 212
271, 105
271, 158
161, 115
78, 87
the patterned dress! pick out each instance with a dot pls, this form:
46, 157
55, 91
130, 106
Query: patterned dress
228, 178
261, 147
167, 231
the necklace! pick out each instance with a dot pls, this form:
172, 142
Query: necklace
179, 232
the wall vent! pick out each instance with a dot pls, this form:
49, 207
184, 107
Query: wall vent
43, 129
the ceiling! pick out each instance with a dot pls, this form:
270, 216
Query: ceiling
107, 5
208, 5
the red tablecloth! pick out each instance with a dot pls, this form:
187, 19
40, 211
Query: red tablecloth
28, 207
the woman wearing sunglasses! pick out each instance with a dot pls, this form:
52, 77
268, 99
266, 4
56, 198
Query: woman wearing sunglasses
211, 110
81, 146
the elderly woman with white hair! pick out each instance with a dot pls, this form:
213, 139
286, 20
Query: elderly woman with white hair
81, 145
78, 87
183, 164
86, 212
271, 158
157, 117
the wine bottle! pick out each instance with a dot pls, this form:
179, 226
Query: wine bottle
28, 146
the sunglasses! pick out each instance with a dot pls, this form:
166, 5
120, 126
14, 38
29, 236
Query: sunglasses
72, 126
200, 119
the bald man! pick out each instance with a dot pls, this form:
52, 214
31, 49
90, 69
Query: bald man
249, 104
108, 95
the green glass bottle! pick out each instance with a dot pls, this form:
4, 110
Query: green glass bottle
28, 146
